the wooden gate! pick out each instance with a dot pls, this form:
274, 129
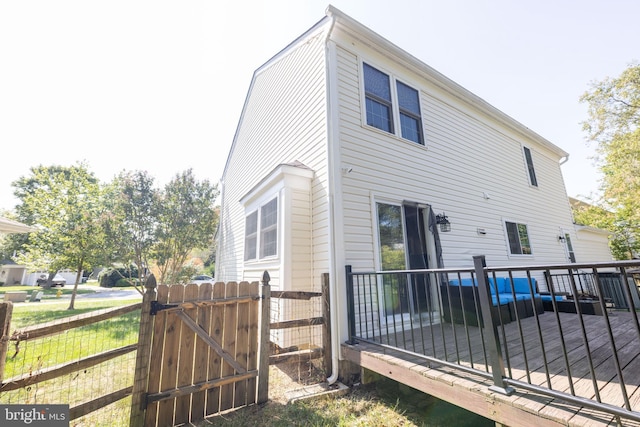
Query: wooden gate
200, 351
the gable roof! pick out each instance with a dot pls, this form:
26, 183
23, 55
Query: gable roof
334, 17
387, 48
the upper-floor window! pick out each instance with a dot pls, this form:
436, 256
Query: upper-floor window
261, 232
381, 102
532, 172
518, 236
378, 99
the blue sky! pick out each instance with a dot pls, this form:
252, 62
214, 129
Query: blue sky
159, 85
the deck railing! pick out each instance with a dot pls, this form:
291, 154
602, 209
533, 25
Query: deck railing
544, 334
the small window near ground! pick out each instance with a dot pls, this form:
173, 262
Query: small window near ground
532, 172
518, 238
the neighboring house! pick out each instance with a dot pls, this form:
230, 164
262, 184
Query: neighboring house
11, 273
350, 151
591, 243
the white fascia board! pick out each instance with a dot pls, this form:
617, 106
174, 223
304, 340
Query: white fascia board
295, 176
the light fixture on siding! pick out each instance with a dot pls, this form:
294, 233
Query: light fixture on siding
561, 238
443, 221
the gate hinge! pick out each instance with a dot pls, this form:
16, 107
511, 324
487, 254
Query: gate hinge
156, 307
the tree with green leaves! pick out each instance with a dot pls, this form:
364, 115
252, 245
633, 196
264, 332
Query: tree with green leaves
187, 221
614, 125
133, 223
67, 204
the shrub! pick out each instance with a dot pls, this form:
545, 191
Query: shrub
122, 283
109, 277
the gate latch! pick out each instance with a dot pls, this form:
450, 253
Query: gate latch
156, 307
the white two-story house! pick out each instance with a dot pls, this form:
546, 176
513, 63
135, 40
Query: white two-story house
350, 151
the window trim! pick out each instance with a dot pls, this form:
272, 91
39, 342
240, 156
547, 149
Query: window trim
396, 111
508, 240
264, 229
259, 233
252, 236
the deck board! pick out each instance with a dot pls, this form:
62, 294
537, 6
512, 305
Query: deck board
525, 360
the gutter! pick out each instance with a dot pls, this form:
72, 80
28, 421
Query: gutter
564, 160
332, 132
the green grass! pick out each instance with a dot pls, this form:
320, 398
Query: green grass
376, 405
35, 314
48, 293
71, 344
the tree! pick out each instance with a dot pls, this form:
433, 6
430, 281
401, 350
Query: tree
614, 125
134, 219
187, 220
67, 203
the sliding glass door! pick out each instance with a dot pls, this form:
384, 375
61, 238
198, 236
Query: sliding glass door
405, 243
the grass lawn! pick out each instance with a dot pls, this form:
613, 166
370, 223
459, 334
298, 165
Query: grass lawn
37, 313
383, 403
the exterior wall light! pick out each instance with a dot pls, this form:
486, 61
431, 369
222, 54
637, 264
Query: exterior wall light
561, 238
443, 221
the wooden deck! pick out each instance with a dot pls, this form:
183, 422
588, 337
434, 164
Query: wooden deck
524, 361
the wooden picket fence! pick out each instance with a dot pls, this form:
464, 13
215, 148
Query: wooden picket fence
201, 350
181, 379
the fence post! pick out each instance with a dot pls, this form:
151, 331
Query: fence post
495, 351
326, 324
143, 354
6, 309
265, 337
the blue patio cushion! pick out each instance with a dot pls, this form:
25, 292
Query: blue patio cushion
521, 285
502, 285
504, 299
499, 284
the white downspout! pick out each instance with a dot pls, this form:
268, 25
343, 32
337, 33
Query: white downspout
332, 138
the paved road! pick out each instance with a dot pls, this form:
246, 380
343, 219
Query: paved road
100, 293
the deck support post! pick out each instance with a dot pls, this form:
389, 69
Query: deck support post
351, 307
491, 328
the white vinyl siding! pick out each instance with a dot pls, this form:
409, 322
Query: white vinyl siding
591, 245
283, 120
471, 169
